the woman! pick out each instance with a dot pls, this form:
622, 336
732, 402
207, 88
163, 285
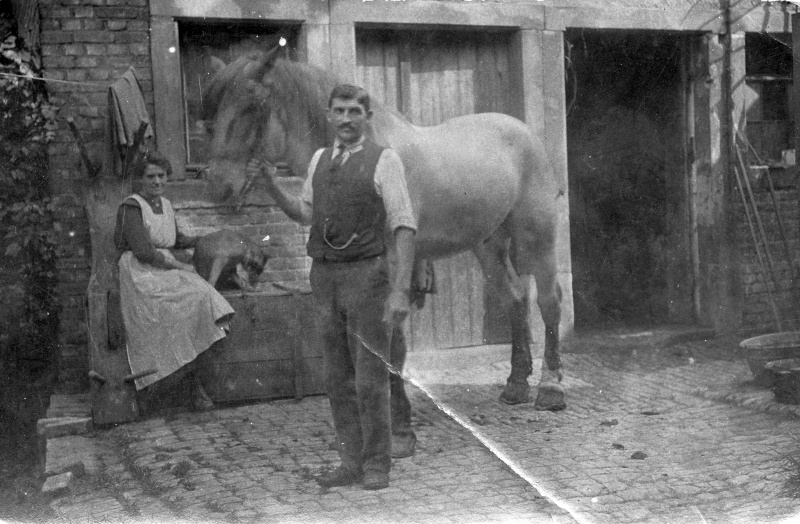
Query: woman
171, 314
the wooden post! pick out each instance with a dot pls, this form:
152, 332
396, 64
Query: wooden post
169, 117
796, 78
718, 73
26, 13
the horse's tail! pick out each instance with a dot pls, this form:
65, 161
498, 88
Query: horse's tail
533, 220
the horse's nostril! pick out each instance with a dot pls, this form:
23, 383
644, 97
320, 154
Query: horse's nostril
228, 192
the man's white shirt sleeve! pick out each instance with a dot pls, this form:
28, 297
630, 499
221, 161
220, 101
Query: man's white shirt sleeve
390, 184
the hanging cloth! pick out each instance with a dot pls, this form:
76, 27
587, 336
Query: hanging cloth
126, 113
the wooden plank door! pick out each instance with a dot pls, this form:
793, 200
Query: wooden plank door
432, 76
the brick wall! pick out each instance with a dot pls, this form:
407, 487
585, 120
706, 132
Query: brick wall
86, 44
286, 247
758, 316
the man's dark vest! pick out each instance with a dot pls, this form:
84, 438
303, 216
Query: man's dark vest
349, 217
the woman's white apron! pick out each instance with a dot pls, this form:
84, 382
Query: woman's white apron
170, 315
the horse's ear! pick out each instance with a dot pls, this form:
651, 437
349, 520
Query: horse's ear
213, 63
265, 62
216, 64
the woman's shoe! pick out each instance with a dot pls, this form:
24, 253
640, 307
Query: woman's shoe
200, 399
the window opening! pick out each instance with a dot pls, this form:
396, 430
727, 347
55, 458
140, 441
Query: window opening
204, 46
770, 122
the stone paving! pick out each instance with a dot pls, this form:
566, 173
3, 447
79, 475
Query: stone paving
692, 442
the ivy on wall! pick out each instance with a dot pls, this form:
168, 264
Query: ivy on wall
27, 124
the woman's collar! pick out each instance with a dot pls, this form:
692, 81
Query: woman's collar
152, 200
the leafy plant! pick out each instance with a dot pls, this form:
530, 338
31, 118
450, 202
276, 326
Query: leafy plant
30, 232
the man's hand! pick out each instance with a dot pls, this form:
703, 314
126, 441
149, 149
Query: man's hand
397, 308
257, 167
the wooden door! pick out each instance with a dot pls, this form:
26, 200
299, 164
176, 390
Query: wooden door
432, 76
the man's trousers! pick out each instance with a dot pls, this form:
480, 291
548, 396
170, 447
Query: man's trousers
349, 301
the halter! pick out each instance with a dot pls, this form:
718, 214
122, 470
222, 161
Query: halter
265, 106
248, 182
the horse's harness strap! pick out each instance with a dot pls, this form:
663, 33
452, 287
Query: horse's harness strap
250, 177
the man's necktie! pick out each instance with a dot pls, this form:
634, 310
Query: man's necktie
338, 160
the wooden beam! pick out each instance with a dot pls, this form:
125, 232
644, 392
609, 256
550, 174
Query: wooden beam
796, 79
273, 10
169, 114
690, 18
761, 17
440, 14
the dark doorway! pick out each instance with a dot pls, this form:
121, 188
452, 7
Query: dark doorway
626, 177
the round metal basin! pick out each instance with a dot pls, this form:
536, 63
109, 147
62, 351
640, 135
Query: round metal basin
765, 348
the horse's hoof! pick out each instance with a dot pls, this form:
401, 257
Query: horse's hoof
515, 393
403, 446
550, 399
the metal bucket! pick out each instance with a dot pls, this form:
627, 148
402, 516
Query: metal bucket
785, 380
765, 348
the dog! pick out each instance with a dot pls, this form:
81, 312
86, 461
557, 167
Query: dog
229, 260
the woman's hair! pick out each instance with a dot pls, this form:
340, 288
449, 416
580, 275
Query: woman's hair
150, 156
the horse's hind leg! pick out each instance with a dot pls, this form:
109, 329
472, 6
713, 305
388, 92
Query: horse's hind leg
493, 256
534, 254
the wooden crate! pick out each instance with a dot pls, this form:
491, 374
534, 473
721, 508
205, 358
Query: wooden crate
270, 352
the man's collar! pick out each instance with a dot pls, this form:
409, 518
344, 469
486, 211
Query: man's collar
353, 148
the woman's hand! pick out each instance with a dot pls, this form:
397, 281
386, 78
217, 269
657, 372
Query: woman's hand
186, 267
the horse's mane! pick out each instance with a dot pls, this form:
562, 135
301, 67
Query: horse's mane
301, 87
220, 82
304, 89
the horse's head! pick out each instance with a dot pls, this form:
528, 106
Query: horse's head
265, 107
238, 104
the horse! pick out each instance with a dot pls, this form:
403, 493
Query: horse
480, 182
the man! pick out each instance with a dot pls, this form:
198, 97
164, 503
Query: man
354, 196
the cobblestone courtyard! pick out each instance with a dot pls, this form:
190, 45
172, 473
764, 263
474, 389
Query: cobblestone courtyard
682, 439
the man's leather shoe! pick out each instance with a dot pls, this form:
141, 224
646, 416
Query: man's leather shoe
338, 477
375, 480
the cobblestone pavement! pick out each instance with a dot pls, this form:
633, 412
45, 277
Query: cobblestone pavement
681, 441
